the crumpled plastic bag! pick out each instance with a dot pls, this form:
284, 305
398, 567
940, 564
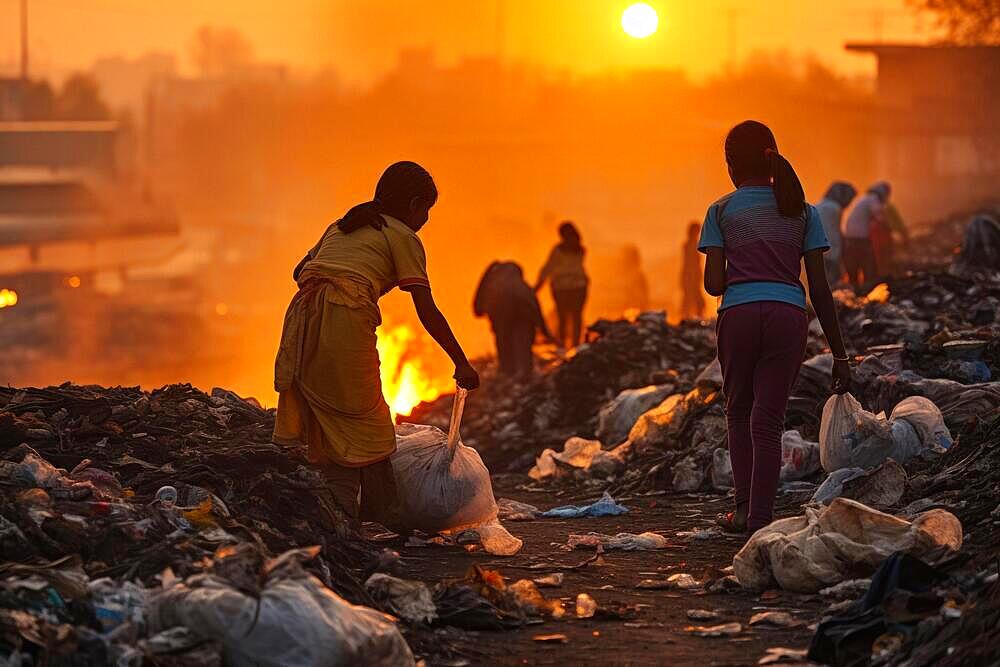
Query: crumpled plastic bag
843, 541
799, 457
295, 622
443, 485
880, 488
606, 506
617, 418
513, 510
624, 541
661, 426
581, 454
850, 436
410, 600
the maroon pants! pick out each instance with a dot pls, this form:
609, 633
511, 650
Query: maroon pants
761, 346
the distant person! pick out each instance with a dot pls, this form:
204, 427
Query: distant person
755, 240
515, 316
859, 251
327, 368
885, 231
569, 281
635, 285
693, 299
831, 209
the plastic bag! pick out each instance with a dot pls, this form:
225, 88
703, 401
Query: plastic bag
617, 418
295, 622
926, 419
584, 455
850, 436
837, 425
799, 457
443, 485
843, 541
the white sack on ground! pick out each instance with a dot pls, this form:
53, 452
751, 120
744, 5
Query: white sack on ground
296, 622
843, 541
850, 436
617, 418
440, 488
580, 454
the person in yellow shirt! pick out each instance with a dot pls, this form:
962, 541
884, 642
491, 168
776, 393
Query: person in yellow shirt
564, 270
327, 367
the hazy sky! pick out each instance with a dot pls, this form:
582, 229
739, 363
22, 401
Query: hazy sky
361, 37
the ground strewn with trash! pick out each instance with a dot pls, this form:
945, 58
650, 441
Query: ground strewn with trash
165, 528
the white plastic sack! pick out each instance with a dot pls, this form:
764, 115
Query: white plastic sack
850, 436
442, 484
617, 418
843, 541
297, 622
799, 457
581, 454
837, 424
926, 419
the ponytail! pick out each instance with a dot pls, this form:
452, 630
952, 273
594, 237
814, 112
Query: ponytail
788, 190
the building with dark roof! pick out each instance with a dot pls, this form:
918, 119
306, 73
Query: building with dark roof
937, 125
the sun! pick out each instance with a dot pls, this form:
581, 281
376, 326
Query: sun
640, 20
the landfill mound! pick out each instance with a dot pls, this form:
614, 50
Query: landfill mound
121, 485
510, 422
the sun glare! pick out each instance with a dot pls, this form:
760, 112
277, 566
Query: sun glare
640, 20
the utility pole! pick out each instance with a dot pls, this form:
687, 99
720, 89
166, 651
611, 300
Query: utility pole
501, 30
732, 34
24, 40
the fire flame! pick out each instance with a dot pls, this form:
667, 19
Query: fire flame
879, 294
406, 379
8, 298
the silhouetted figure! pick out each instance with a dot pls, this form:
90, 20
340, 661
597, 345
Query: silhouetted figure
831, 211
693, 302
569, 281
859, 251
509, 302
635, 286
885, 231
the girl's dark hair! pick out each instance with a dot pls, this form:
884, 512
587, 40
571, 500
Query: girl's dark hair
570, 236
400, 183
752, 153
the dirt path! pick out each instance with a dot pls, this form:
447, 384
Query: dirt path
656, 636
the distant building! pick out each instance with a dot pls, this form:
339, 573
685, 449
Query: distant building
938, 133
55, 145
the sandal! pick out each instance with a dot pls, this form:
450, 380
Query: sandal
729, 524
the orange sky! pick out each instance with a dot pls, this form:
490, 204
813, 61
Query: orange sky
361, 37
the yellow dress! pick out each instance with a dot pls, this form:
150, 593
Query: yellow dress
327, 367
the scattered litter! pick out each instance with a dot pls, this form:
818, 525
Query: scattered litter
586, 606
556, 638
777, 655
702, 614
624, 541
580, 455
723, 630
606, 506
881, 487
553, 580
778, 619
512, 510
410, 600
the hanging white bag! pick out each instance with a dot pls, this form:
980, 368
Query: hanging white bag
442, 484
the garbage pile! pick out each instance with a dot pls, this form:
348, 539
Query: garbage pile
511, 423
104, 490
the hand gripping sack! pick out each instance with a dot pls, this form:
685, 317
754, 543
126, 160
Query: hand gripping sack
442, 484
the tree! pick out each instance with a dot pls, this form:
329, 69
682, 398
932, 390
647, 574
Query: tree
965, 21
80, 99
220, 51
